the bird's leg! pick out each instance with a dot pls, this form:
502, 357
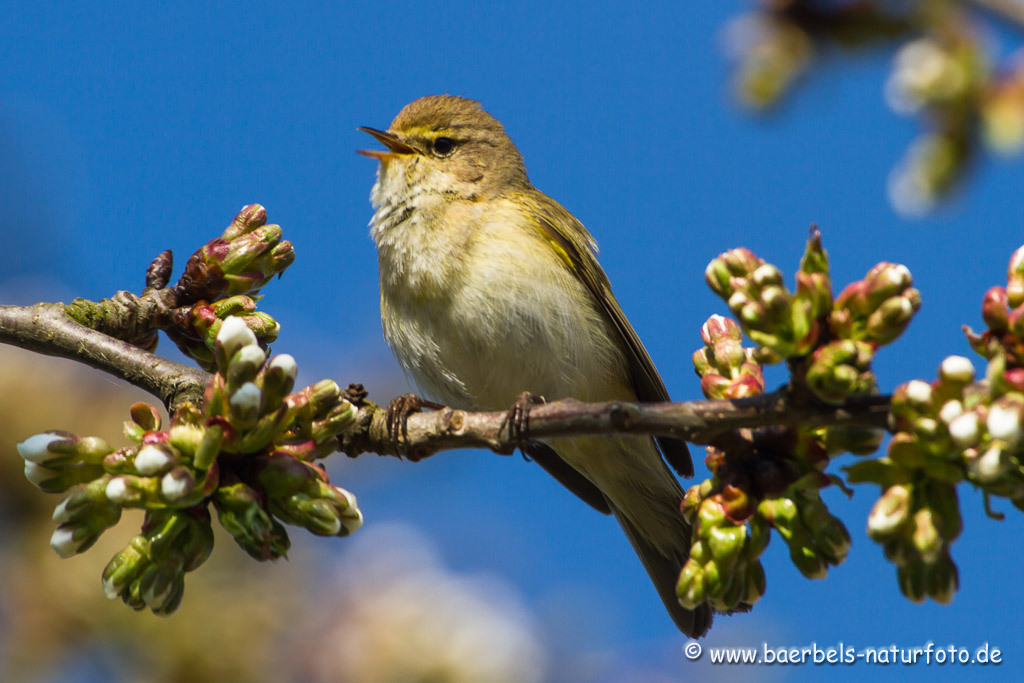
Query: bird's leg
397, 418
517, 419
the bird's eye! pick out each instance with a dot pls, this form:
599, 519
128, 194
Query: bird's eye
443, 146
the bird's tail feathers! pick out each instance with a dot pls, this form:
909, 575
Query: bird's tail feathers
664, 572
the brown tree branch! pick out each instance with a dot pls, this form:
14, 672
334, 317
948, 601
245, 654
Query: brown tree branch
44, 328
695, 421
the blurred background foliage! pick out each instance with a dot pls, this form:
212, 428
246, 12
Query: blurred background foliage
949, 70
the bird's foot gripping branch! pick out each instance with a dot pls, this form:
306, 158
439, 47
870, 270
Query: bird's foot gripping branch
946, 432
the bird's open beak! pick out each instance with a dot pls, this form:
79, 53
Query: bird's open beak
390, 140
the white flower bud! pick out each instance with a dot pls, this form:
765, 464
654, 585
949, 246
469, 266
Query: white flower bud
64, 543
152, 460
174, 488
950, 411
285, 362
36, 447
234, 333
117, 490
989, 466
957, 369
919, 392
252, 354
246, 397
37, 474
1003, 422
965, 430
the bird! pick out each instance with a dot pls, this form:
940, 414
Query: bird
491, 296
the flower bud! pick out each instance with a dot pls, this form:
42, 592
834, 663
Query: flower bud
956, 370
690, 588
942, 580
1004, 419
890, 513
925, 536
911, 576
726, 543
965, 430
756, 583
233, 335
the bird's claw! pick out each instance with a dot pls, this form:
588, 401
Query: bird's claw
397, 419
517, 419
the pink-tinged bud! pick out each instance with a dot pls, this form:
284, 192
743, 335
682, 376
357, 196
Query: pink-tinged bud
146, 416
721, 272
848, 297
885, 280
719, 327
247, 220
1015, 323
1014, 378
714, 386
737, 504
155, 438
995, 310
748, 384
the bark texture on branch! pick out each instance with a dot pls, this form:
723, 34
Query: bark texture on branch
44, 328
695, 421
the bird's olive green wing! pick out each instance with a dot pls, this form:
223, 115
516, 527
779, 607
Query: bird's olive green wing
572, 241
567, 475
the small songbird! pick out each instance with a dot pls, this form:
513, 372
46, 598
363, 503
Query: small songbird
489, 288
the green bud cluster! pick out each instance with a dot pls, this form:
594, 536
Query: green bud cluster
783, 323
815, 537
241, 261
831, 343
195, 328
150, 570
249, 452
724, 568
878, 308
915, 522
771, 478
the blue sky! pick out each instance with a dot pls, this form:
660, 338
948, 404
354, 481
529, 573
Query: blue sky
127, 130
